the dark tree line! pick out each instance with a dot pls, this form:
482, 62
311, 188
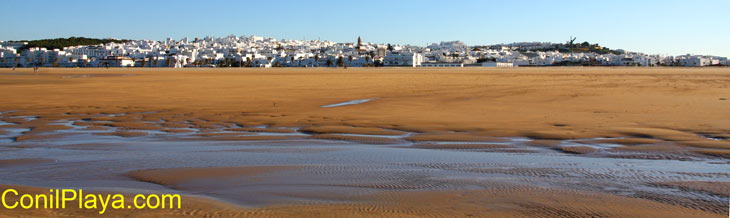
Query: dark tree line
60, 43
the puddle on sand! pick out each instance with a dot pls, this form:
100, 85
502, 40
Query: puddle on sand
375, 136
10, 133
94, 75
713, 137
507, 141
277, 134
600, 146
27, 118
349, 103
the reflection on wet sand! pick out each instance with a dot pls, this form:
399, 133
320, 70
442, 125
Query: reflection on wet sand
336, 165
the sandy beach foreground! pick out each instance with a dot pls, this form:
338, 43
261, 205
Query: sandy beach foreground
394, 142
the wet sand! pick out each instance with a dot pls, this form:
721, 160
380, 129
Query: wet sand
610, 142
512, 202
23, 161
176, 177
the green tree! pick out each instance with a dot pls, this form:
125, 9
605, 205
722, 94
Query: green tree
340, 62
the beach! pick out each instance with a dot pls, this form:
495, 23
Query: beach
396, 142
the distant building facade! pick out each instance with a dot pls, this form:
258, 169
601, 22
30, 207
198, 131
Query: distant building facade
497, 64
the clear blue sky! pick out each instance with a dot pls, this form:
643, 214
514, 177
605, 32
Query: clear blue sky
654, 26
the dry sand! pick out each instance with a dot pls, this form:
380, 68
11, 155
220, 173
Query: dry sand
680, 105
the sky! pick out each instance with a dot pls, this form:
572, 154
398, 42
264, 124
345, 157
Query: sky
667, 27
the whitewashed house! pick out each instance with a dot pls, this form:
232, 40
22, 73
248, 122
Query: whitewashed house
497, 64
405, 59
116, 61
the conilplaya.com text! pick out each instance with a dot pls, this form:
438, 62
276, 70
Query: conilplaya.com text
61, 198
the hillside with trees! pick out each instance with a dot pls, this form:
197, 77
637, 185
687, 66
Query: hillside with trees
60, 43
584, 47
